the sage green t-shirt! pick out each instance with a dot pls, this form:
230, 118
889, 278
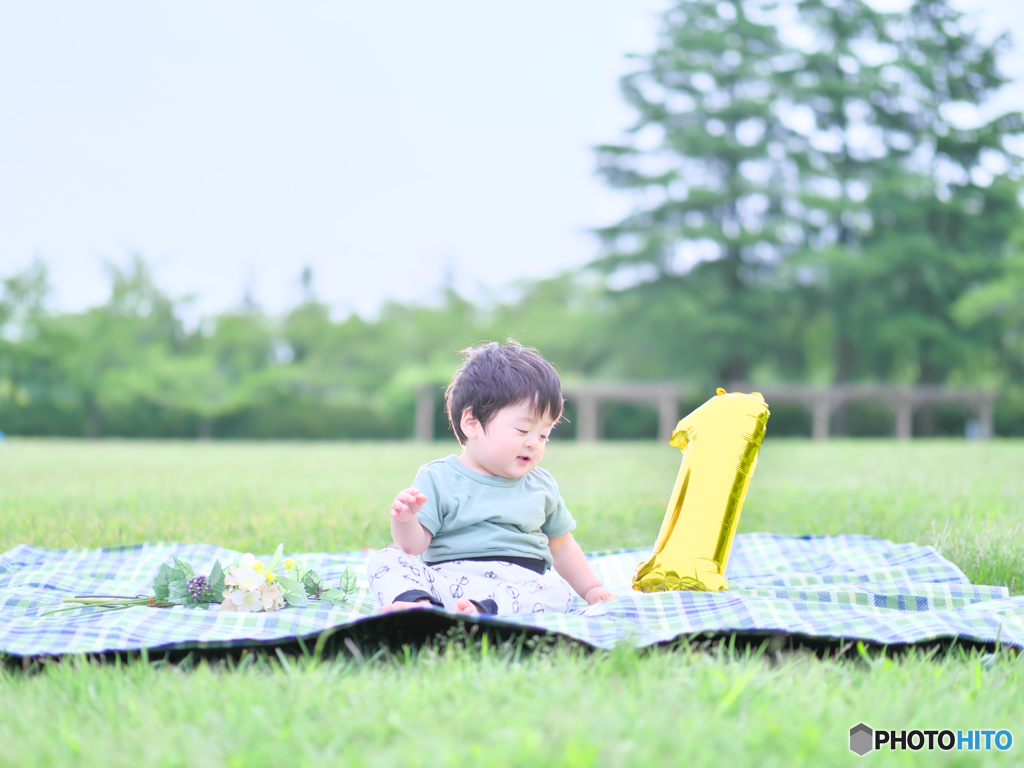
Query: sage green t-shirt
474, 515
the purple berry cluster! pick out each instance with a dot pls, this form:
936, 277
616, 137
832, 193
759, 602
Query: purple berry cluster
198, 586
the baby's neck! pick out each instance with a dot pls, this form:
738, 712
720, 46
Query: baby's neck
467, 460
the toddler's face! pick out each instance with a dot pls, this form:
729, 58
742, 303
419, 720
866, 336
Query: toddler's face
513, 442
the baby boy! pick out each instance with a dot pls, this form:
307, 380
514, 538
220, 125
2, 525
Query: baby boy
489, 523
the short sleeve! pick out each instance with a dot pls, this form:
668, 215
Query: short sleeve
559, 522
430, 515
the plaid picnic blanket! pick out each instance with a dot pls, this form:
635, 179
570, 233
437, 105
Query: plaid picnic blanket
830, 587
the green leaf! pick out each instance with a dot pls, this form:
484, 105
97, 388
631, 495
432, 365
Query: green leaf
216, 579
312, 582
294, 593
185, 568
175, 576
275, 561
179, 592
348, 580
334, 597
161, 581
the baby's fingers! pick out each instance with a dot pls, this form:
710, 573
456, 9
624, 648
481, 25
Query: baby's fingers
407, 504
410, 497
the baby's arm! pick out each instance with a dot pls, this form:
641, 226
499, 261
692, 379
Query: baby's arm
409, 534
572, 565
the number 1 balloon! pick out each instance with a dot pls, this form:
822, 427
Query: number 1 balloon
720, 442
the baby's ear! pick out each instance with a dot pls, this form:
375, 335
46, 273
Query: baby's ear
469, 423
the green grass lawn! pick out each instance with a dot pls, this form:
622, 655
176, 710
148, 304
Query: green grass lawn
487, 706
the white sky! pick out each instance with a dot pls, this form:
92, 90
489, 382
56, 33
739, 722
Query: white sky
383, 143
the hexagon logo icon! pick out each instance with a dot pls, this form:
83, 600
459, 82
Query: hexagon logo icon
862, 739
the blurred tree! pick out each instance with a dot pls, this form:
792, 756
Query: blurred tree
97, 352
21, 309
235, 362
189, 384
941, 204
767, 130
996, 307
21, 302
1001, 301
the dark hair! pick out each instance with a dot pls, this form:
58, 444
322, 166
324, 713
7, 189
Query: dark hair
493, 376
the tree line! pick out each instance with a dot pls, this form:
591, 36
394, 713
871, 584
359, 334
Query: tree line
815, 200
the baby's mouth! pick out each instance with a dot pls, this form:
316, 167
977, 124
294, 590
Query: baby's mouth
524, 459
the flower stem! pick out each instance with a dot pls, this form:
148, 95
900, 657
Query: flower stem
106, 604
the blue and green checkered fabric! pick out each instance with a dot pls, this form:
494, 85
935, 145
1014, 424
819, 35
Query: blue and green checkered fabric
829, 587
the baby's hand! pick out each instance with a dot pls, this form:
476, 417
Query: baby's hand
598, 595
407, 504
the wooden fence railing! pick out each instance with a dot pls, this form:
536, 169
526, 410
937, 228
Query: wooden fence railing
821, 402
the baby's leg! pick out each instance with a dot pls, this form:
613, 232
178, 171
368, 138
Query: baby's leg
525, 591
399, 580
502, 588
462, 590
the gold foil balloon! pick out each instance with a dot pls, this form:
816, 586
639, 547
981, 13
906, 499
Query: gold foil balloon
720, 442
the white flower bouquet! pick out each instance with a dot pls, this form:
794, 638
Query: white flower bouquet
248, 586
251, 586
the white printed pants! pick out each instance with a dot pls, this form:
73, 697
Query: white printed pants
494, 585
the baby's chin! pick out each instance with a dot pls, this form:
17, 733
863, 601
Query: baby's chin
518, 468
